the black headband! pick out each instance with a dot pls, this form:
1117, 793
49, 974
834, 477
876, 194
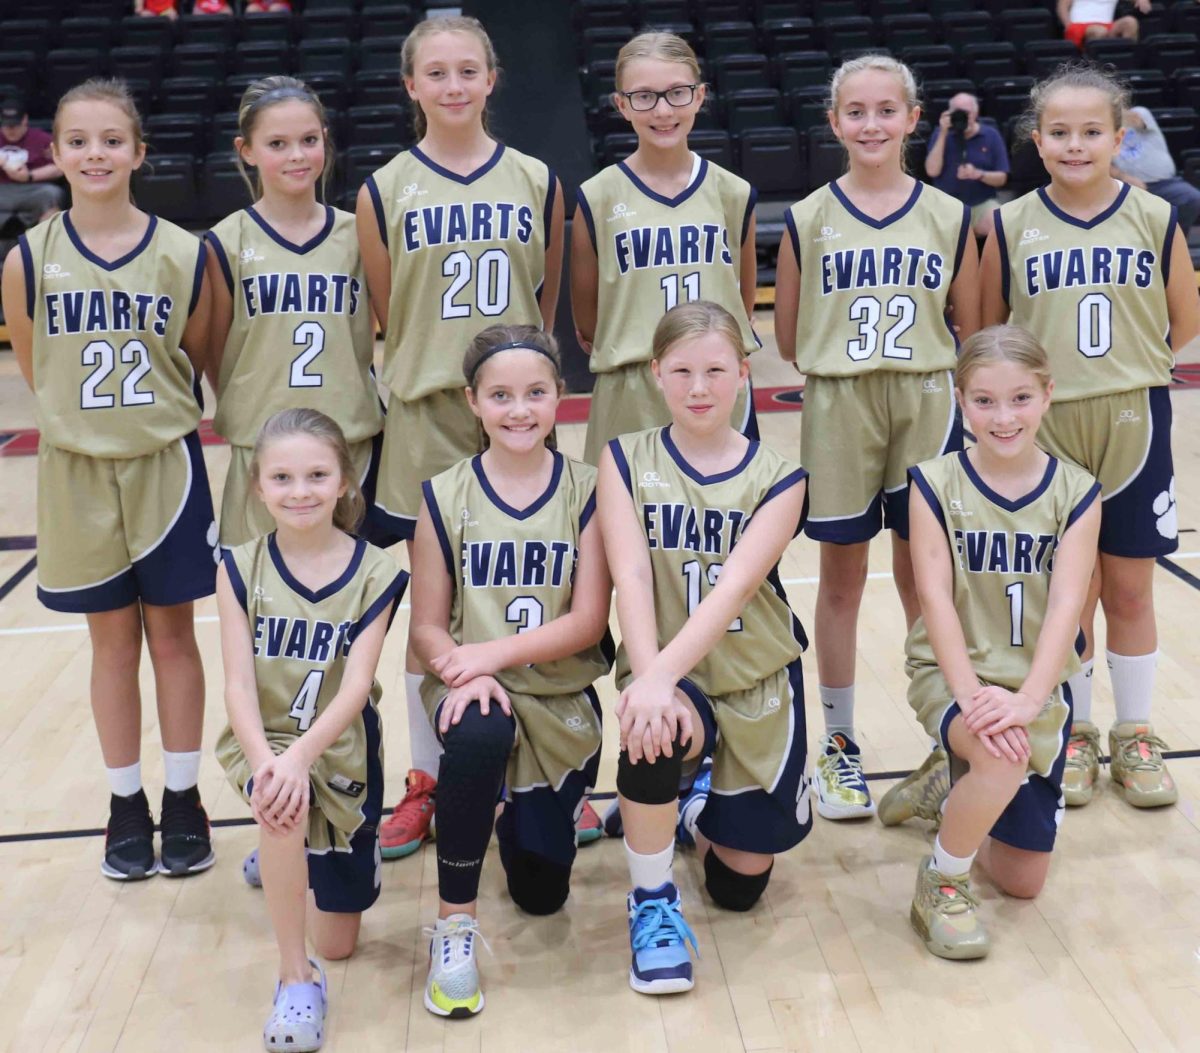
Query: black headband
523, 344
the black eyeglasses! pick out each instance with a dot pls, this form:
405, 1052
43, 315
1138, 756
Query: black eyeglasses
680, 95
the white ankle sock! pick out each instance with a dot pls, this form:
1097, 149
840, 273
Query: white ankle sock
952, 866
422, 739
182, 770
1081, 691
1132, 679
838, 704
125, 782
650, 871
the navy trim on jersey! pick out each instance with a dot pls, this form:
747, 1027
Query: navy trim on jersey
962, 240
586, 209
1083, 224
291, 246
548, 211
917, 478
466, 180
1084, 504
999, 500
1168, 241
1002, 245
198, 277
27, 262
529, 510
589, 508
697, 477
750, 203
235, 577
377, 201
670, 202
776, 584
435, 515
222, 259
777, 488
887, 221
622, 463
393, 592
91, 257
323, 593
789, 221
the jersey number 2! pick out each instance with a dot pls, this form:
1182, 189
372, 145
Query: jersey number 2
311, 336
102, 355
304, 705
491, 273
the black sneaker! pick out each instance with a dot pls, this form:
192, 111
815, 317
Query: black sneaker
129, 839
186, 841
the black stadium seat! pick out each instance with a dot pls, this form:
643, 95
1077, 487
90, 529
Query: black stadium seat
66, 67
138, 62
907, 31
271, 26
1187, 88
1170, 51
1178, 125
377, 87
86, 32
1184, 17
808, 107
1043, 57
714, 144
207, 29
377, 126
844, 35
932, 61
753, 108
210, 61
1025, 26
323, 23
26, 34
936, 95
781, 35
729, 38
590, 13
733, 72
771, 160
826, 157
981, 61
167, 187
382, 53
802, 69
1120, 54
1005, 97
188, 94
601, 42
176, 133
1147, 87
223, 189
262, 58
967, 27
332, 55
151, 32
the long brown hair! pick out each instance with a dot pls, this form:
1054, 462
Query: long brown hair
450, 24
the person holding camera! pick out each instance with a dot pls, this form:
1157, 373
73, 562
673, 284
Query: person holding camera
967, 160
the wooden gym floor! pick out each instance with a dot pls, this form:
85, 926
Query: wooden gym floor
1108, 958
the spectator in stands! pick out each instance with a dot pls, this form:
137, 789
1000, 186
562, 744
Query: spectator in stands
1145, 161
1086, 20
967, 160
27, 169
155, 8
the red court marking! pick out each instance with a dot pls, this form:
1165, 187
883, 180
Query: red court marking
572, 410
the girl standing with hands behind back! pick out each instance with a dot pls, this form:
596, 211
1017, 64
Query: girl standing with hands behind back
458, 233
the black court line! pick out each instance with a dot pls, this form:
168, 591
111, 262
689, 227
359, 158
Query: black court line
1183, 575
21, 574
18, 543
608, 795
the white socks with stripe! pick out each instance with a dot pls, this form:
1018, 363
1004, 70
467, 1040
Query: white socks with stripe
422, 739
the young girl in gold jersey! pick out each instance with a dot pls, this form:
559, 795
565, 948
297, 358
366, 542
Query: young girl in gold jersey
697, 517
107, 309
304, 611
1099, 272
660, 228
869, 269
1003, 540
458, 233
510, 610
291, 322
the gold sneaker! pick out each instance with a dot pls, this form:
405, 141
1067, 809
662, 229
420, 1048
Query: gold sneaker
945, 914
1083, 764
919, 794
1137, 765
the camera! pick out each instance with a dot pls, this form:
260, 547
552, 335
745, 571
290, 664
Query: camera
959, 120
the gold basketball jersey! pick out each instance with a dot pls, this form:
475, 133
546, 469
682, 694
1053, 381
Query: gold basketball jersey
301, 332
301, 642
513, 569
873, 292
654, 252
1003, 556
692, 523
467, 252
110, 377
1094, 292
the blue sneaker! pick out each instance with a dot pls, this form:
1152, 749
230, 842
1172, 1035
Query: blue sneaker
659, 936
691, 804
839, 783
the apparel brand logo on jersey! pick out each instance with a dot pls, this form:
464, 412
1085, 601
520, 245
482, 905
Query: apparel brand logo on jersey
467, 520
827, 234
1031, 235
54, 270
931, 386
410, 191
251, 256
621, 211
650, 480
260, 594
1128, 416
773, 704
956, 508
575, 723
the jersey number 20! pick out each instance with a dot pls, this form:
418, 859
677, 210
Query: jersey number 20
491, 273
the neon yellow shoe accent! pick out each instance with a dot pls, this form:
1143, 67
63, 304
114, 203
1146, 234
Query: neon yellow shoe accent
453, 986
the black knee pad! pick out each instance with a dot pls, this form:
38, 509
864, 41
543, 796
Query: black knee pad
479, 740
732, 890
657, 783
537, 885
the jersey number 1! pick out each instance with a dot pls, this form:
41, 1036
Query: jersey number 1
673, 283
692, 576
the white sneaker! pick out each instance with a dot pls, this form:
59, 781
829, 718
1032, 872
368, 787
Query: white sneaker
452, 988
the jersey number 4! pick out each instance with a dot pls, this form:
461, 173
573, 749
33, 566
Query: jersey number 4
867, 311
102, 357
304, 705
491, 272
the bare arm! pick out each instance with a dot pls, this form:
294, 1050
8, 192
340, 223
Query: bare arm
16, 312
787, 298
632, 573
748, 278
585, 282
935, 160
964, 291
241, 687
554, 259
377, 265
432, 593
195, 334
1183, 302
220, 317
993, 309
